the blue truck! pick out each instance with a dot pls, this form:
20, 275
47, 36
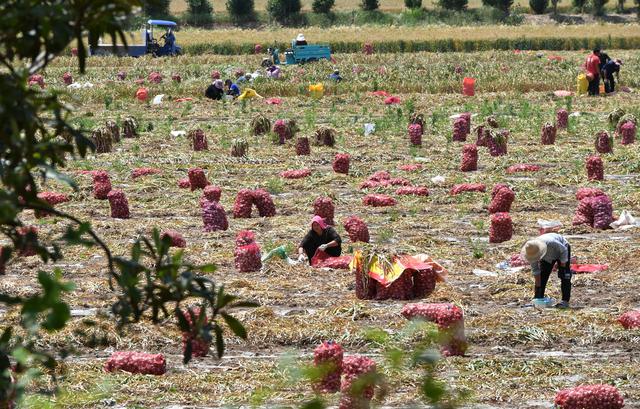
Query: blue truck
148, 45
300, 54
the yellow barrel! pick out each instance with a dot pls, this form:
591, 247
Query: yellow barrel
582, 84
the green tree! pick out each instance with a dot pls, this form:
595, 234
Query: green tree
502, 5
413, 4
598, 7
241, 10
36, 140
322, 6
369, 5
579, 5
539, 6
456, 5
200, 13
285, 12
156, 8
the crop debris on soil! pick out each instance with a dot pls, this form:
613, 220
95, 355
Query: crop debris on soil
229, 190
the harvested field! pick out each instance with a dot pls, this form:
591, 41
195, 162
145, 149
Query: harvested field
518, 356
405, 39
374, 34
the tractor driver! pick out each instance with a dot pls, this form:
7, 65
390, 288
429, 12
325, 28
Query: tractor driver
300, 40
169, 41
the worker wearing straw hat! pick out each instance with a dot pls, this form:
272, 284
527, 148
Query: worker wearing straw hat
543, 252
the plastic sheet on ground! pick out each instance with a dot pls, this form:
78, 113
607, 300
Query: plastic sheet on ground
562, 93
249, 93
548, 226
588, 268
625, 221
157, 100
392, 100
438, 180
484, 273
280, 252
78, 85
273, 101
175, 134
369, 129
323, 260
456, 116
506, 267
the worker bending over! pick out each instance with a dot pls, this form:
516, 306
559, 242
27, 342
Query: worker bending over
543, 252
610, 68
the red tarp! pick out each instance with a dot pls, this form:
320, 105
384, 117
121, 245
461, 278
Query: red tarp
588, 268
323, 260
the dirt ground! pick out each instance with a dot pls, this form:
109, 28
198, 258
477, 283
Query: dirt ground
518, 357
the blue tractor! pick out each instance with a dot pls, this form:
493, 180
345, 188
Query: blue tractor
300, 54
149, 44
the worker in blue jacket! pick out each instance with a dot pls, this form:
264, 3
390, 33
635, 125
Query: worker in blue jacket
335, 76
232, 89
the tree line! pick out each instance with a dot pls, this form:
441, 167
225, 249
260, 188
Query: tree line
289, 12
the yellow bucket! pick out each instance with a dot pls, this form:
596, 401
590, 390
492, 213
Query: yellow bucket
316, 90
582, 84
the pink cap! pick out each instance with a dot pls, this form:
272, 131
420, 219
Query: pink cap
320, 221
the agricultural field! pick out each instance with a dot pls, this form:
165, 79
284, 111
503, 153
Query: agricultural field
597, 32
518, 356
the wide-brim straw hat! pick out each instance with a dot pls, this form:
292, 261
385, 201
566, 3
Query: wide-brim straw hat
534, 250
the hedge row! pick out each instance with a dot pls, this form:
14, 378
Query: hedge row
444, 45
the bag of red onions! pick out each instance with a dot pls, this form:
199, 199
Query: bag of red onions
247, 253
590, 397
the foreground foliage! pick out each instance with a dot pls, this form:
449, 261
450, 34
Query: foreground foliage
151, 283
